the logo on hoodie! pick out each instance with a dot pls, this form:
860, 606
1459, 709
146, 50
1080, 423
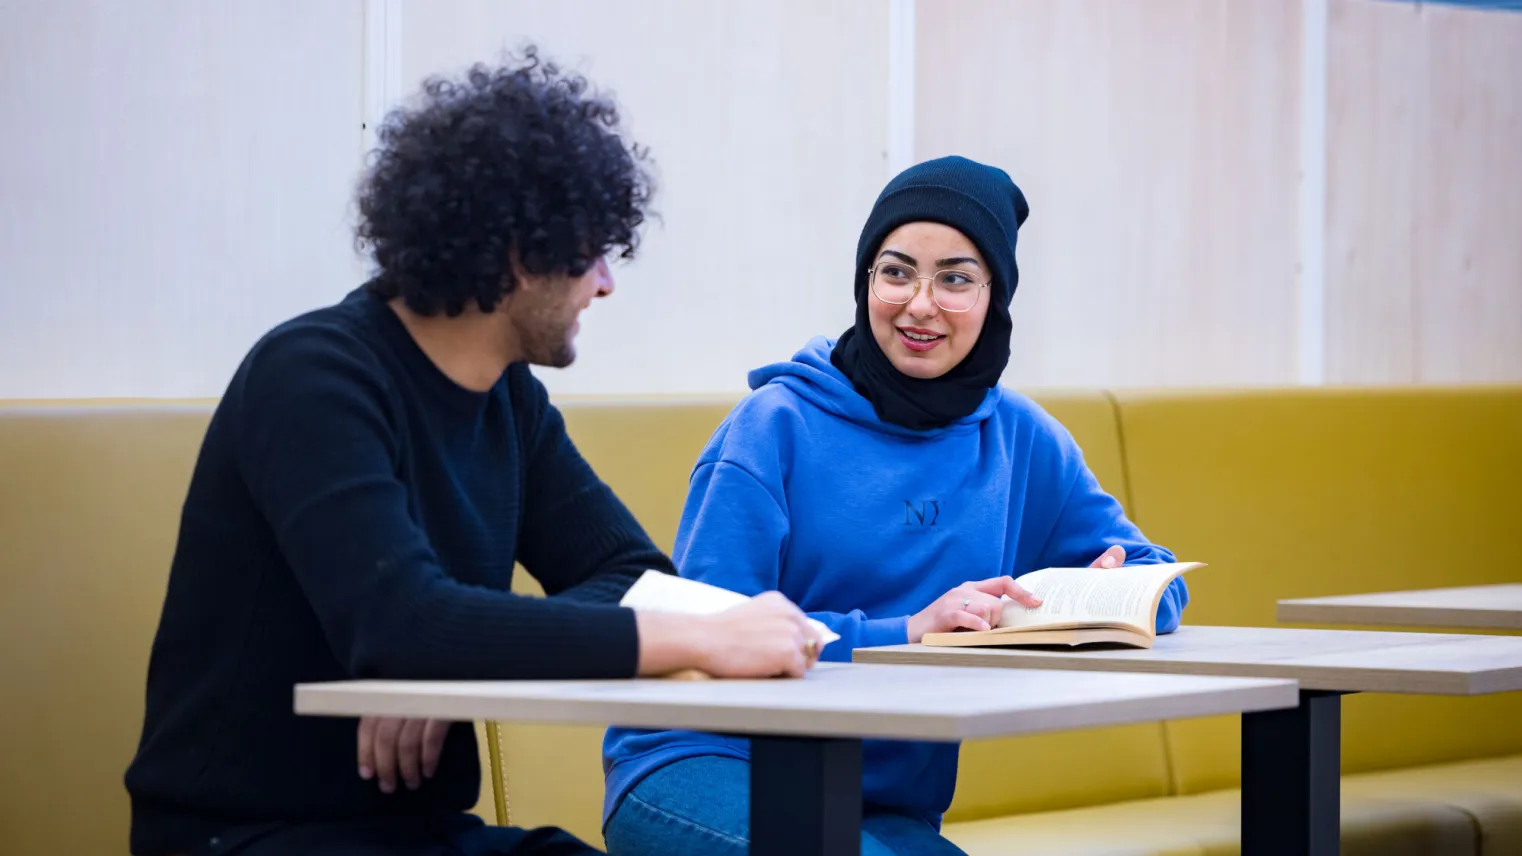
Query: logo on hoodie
926, 512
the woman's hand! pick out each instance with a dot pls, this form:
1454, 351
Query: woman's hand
1111, 558
969, 606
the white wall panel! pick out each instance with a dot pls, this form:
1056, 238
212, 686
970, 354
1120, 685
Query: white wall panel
1157, 143
767, 125
174, 178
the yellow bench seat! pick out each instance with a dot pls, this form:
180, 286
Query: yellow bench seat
1288, 493
1471, 807
1489, 791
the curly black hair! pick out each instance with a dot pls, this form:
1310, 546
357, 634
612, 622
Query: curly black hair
520, 161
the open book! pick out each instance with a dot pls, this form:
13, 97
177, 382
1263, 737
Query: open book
659, 592
1079, 606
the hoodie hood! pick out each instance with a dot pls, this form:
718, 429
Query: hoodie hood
811, 376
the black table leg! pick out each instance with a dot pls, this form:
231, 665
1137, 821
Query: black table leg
1291, 777
805, 797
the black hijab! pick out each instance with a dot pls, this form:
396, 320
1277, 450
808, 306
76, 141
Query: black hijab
982, 203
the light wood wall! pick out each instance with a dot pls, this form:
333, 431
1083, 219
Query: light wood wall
180, 179
1424, 194
1156, 143
1159, 143
766, 124
174, 179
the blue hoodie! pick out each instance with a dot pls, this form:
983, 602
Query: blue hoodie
863, 523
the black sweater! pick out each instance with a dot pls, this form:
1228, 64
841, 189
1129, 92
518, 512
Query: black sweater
355, 514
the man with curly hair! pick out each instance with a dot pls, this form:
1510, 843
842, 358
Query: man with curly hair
370, 478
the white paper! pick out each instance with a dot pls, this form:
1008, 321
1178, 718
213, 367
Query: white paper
658, 592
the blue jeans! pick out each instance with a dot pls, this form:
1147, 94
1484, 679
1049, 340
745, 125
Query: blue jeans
701, 807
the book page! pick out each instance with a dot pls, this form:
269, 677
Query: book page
658, 592
1125, 595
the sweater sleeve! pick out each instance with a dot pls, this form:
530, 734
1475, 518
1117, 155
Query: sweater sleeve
1090, 522
578, 539
733, 534
319, 448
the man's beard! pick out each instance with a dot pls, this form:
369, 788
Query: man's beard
561, 354
548, 342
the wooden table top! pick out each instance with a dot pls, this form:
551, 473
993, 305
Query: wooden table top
1343, 660
1493, 606
835, 700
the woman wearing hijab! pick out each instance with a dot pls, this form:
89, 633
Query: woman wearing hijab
890, 487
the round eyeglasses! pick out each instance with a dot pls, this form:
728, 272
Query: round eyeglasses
952, 290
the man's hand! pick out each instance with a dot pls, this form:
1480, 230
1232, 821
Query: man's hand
971, 606
409, 747
767, 636
1111, 558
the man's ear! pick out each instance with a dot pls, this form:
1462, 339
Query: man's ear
517, 277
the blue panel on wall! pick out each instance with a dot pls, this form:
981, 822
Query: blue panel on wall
1505, 5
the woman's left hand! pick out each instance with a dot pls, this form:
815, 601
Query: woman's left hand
1111, 558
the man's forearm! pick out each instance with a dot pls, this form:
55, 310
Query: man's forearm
602, 587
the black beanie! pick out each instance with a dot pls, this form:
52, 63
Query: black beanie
982, 203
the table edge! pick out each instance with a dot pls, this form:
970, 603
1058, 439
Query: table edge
1309, 677
335, 699
1305, 611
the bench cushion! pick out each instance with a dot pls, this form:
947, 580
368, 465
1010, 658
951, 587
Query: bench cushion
1210, 825
1301, 493
1489, 791
89, 509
